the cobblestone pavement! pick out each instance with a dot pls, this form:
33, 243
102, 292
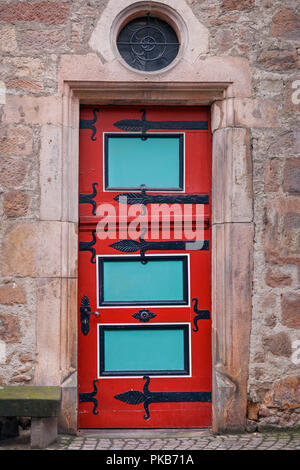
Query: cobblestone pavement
204, 440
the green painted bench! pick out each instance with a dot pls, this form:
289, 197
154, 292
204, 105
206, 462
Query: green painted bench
41, 403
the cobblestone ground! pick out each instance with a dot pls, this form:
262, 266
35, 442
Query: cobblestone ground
223, 442
207, 441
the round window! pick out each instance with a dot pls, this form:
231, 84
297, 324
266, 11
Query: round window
148, 43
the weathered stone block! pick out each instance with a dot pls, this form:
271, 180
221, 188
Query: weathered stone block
232, 247
271, 174
43, 432
10, 331
51, 173
290, 307
285, 394
33, 110
30, 67
232, 202
12, 293
35, 41
48, 324
16, 140
291, 176
43, 12
12, 171
281, 241
252, 410
277, 279
67, 421
278, 344
24, 85
237, 5
8, 40
256, 113
32, 249
279, 60
286, 24
15, 203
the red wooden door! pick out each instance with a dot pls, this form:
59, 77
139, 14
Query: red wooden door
144, 292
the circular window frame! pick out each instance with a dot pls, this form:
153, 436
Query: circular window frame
157, 10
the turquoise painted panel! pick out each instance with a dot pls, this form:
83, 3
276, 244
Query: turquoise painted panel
154, 162
158, 280
143, 350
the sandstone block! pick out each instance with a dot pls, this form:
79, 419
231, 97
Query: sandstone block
24, 85
232, 158
286, 24
225, 39
12, 171
285, 394
291, 176
277, 279
43, 12
16, 140
10, 331
279, 60
290, 307
237, 5
25, 357
50, 172
15, 203
48, 341
252, 410
32, 249
12, 293
281, 241
33, 110
278, 344
271, 175
24, 66
43, 432
8, 40
256, 113
35, 41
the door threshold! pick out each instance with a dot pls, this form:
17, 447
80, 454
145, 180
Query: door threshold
145, 433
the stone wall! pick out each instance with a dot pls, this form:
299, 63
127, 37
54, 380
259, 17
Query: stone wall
34, 38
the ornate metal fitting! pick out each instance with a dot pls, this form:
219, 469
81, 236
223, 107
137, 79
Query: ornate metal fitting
89, 124
89, 198
89, 246
90, 397
85, 313
135, 397
144, 315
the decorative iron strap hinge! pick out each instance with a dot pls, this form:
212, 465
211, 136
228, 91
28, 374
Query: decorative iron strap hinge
200, 314
135, 397
89, 198
144, 125
89, 124
88, 246
131, 246
144, 199
90, 397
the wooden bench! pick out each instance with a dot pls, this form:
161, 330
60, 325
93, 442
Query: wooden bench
40, 403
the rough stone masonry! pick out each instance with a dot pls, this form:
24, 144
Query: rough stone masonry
34, 36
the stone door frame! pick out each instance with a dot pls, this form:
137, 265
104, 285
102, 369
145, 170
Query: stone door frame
232, 227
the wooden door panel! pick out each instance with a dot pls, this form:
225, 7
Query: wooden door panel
109, 398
